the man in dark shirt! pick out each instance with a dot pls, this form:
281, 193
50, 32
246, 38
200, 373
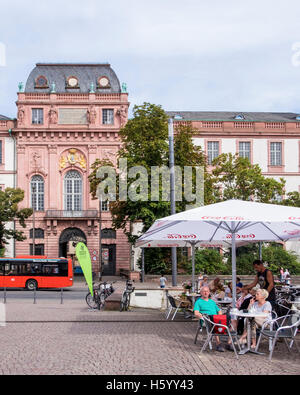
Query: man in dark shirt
265, 279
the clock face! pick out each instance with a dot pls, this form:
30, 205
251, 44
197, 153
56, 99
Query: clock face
103, 81
72, 81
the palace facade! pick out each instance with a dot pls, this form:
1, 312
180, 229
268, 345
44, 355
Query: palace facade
68, 116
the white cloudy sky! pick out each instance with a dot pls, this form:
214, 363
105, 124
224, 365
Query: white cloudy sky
229, 55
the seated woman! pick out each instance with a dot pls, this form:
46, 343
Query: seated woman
242, 303
203, 282
228, 290
260, 305
216, 285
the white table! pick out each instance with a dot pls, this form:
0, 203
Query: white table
249, 315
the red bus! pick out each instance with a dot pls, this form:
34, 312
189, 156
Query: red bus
35, 271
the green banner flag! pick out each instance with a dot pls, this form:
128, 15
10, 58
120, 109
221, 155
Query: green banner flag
84, 259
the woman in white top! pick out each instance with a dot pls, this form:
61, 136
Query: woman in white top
258, 305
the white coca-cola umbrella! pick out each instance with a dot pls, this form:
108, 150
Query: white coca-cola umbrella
230, 223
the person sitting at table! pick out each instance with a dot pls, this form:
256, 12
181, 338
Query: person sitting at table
215, 285
228, 290
258, 305
205, 305
203, 283
242, 303
239, 283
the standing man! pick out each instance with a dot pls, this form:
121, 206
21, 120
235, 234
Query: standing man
265, 279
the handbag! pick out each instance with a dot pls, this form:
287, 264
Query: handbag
219, 319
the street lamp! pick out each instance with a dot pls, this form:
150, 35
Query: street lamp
172, 195
100, 239
33, 189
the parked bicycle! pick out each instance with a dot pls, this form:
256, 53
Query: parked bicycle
100, 293
125, 301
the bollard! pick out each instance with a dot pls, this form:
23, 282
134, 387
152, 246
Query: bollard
4, 299
61, 296
34, 296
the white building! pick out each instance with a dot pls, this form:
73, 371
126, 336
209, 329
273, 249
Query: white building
7, 166
271, 140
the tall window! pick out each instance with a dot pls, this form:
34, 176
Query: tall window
107, 116
245, 149
37, 193
276, 154
212, 151
37, 116
73, 191
0, 152
105, 205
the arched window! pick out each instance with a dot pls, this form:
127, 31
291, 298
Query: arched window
37, 193
73, 191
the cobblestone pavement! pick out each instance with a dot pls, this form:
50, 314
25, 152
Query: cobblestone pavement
52, 338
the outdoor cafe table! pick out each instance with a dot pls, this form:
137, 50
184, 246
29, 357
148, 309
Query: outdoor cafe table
249, 317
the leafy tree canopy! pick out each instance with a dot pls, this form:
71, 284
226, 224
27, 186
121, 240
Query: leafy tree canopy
9, 211
234, 177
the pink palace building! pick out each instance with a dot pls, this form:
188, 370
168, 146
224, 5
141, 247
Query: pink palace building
68, 116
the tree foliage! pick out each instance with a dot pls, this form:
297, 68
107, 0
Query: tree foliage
9, 211
273, 254
208, 261
234, 177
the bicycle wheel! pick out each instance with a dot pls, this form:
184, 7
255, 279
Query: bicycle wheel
127, 302
123, 302
102, 298
91, 301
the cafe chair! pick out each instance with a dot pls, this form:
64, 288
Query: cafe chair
173, 305
210, 327
280, 328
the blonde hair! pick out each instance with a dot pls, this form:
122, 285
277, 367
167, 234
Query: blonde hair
264, 293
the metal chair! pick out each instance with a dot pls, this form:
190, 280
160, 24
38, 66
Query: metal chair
173, 305
285, 330
210, 327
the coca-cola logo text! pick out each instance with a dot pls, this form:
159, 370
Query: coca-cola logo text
292, 232
226, 218
178, 236
237, 236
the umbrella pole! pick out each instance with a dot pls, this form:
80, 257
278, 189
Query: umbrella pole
233, 262
193, 267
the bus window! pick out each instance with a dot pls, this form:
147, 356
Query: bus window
10, 270
63, 269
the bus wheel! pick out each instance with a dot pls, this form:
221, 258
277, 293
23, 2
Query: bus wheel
31, 285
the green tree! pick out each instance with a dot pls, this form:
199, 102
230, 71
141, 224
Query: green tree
234, 177
145, 143
209, 261
272, 253
292, 199
9, 211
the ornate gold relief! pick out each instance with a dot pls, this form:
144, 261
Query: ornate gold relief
72, 158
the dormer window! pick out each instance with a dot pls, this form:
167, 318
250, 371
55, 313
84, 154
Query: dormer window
41, 82
103, 82
239, 117
72, 83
